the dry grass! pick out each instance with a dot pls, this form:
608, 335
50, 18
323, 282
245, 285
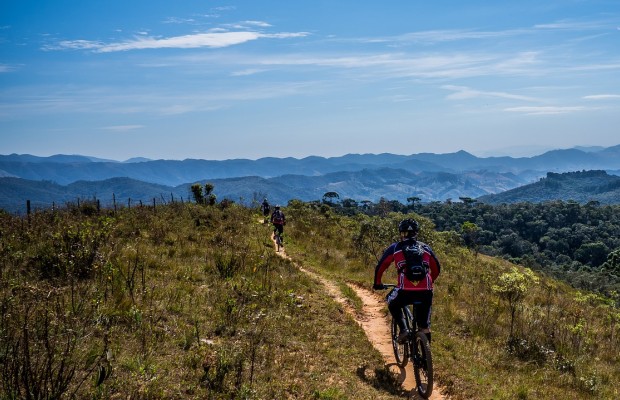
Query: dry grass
565, 343
188, 301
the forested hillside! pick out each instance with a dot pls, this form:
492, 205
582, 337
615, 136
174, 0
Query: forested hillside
577, 243
580, 186
188, 300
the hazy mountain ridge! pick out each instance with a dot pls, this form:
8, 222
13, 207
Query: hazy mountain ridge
430, 177
68, 169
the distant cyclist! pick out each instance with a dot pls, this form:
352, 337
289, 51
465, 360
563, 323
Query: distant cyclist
278, 220
413, 260
266, 208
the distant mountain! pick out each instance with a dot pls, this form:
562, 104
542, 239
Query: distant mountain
370, 184
431, 177
43, 194
581, 186
67, 169
58, 158
137, 159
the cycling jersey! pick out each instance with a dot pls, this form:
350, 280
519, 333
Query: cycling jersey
394, 254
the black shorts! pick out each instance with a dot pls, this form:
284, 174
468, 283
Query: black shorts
422, 301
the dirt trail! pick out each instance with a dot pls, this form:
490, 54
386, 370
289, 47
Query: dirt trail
376, 325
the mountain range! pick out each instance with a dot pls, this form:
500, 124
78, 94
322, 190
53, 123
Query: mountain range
428, 176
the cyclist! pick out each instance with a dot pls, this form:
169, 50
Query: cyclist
278, 220
419, 293
266, 208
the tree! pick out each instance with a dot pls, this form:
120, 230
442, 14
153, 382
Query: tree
329, 197
210, 198
413, 200
512, 287
197, 192
470, 235
206, 197
593, 254
613, 262
468, 200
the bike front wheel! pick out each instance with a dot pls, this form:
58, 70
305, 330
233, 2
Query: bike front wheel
422, 365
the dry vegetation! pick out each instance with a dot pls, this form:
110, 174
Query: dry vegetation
190, 301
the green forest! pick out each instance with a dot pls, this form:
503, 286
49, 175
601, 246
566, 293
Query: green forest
189, 301
577, 243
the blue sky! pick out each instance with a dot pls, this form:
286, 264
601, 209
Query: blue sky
251, 79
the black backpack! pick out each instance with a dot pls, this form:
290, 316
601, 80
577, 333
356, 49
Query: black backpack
415, 268
278, 217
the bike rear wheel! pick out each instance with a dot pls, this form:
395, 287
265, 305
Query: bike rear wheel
401, 351
278, 242
422, 365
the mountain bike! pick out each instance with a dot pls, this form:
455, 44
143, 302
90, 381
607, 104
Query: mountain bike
278, 239
416, 348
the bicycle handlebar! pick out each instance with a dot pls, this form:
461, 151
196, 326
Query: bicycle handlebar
388, 285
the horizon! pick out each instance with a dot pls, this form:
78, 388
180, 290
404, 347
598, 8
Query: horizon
250, 81
585, 149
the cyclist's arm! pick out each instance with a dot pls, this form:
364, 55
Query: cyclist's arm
433, 263
383, 264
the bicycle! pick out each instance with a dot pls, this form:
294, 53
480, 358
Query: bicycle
415, 348
278, 239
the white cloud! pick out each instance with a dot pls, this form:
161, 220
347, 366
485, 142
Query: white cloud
245, 24
602, 96
462, 92
246, 72
547, 110
212, 40
122, 128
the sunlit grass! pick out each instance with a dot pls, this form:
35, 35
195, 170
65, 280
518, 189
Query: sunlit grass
189, 301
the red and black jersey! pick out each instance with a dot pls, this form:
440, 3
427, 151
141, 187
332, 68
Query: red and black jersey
394, 254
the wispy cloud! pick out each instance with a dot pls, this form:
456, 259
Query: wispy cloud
547, 110
602, 96
122, 128
449, 35
6, 68
573, 25
246, 24
247, 72
211, 40
462, 92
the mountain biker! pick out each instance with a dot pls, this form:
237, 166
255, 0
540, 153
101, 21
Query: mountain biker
278, 220
265, 208
418, 293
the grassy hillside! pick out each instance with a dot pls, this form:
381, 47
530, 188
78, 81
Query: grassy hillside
564, 343
187, 301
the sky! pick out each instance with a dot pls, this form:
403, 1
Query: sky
295, 78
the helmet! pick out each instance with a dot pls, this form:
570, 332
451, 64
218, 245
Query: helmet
277, 207
409, 226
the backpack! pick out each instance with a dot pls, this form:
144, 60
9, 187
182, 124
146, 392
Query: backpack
415, 269
278, 217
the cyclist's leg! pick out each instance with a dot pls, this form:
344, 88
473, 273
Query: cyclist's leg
396, 300
280, 230
423, 311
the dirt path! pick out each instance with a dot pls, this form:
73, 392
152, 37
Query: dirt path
377, 327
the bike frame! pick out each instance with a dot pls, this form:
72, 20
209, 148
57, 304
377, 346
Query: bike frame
417, 349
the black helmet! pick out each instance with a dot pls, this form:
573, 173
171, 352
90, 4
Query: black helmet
409, 226
277, 207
